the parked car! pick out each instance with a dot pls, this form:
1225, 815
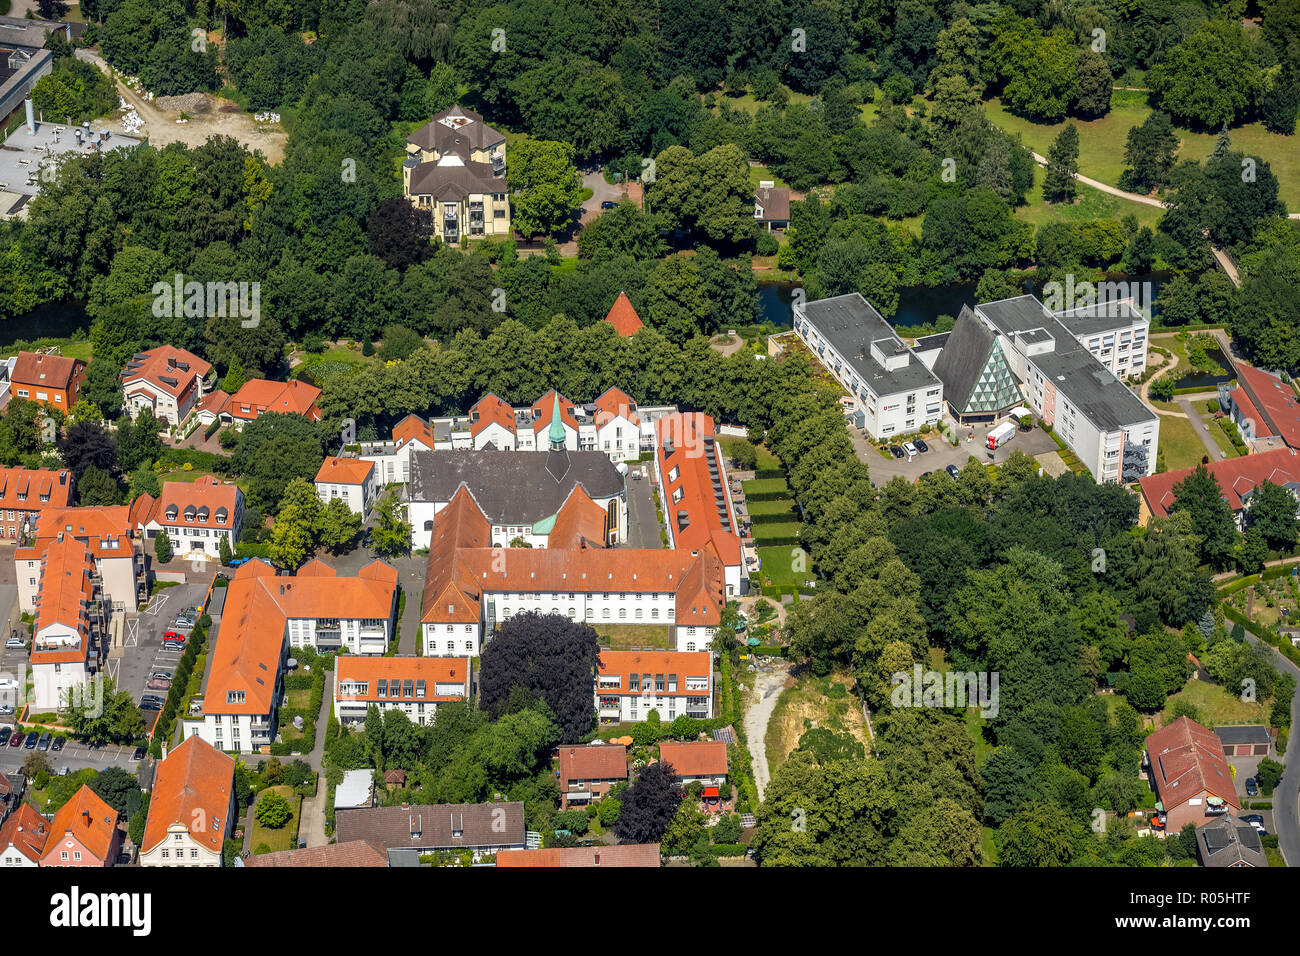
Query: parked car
897, 451
609, 204
909, 448
925, 473
158, 684
173, 637
6, 710
139, 754
15, 642
17, 739
921, 445
1252, 788
43, 743
8, 683
162, 675
58, 743
185, 619
953, 471
5, 734
30, 742
150, 703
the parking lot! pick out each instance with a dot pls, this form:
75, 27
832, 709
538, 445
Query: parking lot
142, 651
74, 756
941, 454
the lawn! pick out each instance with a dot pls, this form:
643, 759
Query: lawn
1090, 204
1101, 142
623, 636
1216, 707
1181, 446
286, 837
766, 460
761, 486
779, 565
758, 174
825, 701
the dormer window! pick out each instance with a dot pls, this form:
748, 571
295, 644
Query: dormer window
234, 697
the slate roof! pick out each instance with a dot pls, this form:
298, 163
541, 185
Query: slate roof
1243, 734
513, 489
628, 854
447, 182
850, 324
964, 356
470, 132
432, 827
1228, 841
775, 203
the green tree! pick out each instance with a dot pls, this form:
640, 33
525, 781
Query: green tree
337, 525
1059, 184
224, 552
294, 534
1150, 152
1211, 79
273, 810
96, 487
1273, 513
1201, 497
545, 187
391, 534
162, 547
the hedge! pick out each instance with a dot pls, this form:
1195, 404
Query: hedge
207, 460
769, 473
211, 429
1267, 634
180, 679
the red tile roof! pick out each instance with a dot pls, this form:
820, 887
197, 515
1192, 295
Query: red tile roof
487, 410
260, 396
450, 591
1187, 759
623, 317
207, 498
345, 471
1271, 404
26, 831
544, 406
615, 403
106, 531
192, 787
1236, 477
626, 854
352, 668
412, 428
682, 663
350, 854
685, 442
594, 762
22, 489
161, 368
64, 596
578, 523
46, 371
698, 758
215, 402
88, 819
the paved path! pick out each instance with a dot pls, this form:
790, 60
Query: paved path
311, 819
1286, 796
1131, 197
1198, 425
768, 682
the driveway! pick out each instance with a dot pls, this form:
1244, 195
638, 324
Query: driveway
941, 454
642, 522
1286, 796
601, 191
768, 683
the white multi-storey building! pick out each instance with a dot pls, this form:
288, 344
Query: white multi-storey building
413, 685
630, 684
1114, 332
191, 807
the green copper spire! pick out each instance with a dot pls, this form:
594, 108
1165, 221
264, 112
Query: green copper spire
556, 434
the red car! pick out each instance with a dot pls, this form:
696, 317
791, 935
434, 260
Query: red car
173, 637
16, 740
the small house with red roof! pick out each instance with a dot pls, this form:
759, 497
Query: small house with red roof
84, 832
168, 381
1264, 409
587, 773
191, 808
1237, 477
1190, 774
354, 480
54, 380
704, 761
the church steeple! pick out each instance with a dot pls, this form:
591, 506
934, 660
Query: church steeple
556, 433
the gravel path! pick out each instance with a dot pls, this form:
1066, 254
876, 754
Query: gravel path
768, 683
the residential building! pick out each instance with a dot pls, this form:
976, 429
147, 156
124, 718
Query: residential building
521, 495
107, 533
408, 831
266, 614
1229, 842
630, 684
27, 492
354, 853
1190, 774
1246, 740
623, 317
196, 515
83, 832
1238, 478
191, 807
392, 458
258, 397
54, 380
1114, 331
704, 761
587, 773
12, 787
69, 631
1264, 409
772, 205
619, 855
1017, 345
691, 473
893, 391
167, 380
23, 836
455, 168
356, 791
355, 480
413, 685
617, 425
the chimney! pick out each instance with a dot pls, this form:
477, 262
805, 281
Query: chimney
31, 116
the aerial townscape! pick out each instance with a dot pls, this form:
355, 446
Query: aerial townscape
656, 434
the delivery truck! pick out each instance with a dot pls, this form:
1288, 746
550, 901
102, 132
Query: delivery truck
1002, 434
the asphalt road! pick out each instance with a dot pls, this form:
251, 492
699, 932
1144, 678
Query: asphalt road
74, 756
1286, 796
642, 524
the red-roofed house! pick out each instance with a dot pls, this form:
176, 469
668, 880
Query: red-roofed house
195, 514
702, 760
623, 317
543, 412
68, 616
587, 773
630, 684
27, 492
618, 427
83, 833
168, 380
108, 534
23, 837
1264, 409
1237, 477
413, 685
492, 423
692, 477
772, 205
1188, 769
625, 854
260, 396
191, 809
54, 380
355, 480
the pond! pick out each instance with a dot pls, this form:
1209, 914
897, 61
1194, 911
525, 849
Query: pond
58, 320
1208, 380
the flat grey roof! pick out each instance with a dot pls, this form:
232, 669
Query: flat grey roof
1102, 317
1243, 734
850, 324
1090, 386
1019, 314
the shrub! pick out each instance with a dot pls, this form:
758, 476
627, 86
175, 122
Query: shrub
273, 811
